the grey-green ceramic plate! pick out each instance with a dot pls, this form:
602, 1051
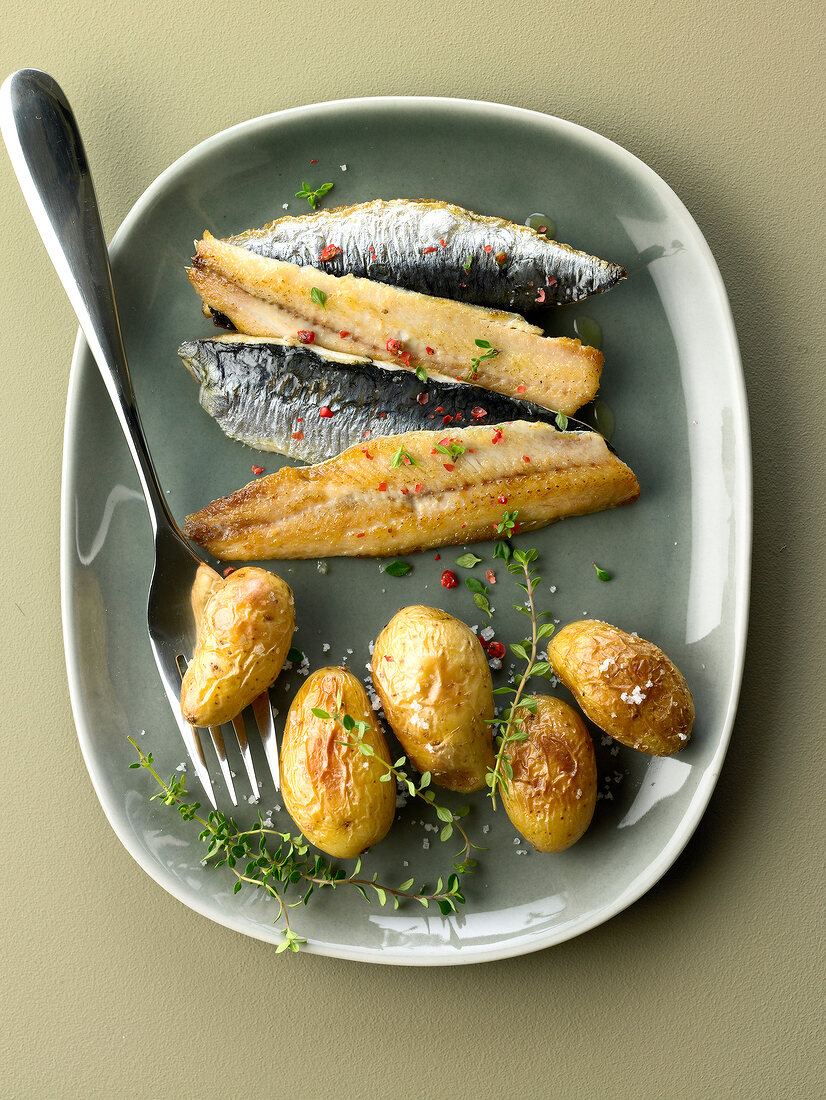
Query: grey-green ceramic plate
679, 557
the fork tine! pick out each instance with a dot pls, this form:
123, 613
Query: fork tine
196, 754
221, 753
243, 744
192, 741
262, 709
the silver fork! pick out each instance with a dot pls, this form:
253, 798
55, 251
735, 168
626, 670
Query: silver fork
47, 154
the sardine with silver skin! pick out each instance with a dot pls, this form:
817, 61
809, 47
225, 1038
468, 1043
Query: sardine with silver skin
436, 248
269, 394
494, 349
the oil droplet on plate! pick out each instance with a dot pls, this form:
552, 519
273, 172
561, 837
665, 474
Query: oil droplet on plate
588, 331
542, 224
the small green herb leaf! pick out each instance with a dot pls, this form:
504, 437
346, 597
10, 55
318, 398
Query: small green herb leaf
402, 457
502, 550
467, 561
398, 568
421, 374
312, 196
561, 421
319, 297
603, 574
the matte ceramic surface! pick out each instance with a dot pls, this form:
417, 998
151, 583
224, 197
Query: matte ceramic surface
679, 556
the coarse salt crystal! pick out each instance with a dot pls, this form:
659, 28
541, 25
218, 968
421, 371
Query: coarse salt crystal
495, 664
181, 767
488, 633
343, 167
552, 589
521, 851
607, 663
425, 843
325, 647
635, 696
486, 828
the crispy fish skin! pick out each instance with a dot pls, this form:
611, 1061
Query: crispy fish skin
265, 297
268, 393
357, 505
425, 246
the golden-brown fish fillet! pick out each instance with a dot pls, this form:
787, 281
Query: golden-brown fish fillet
265, 297
357, 504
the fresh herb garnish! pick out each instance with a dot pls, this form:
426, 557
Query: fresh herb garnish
295, 656
452, 450
467, 264
319, 297
502, 550
490, 353
506, 527
398, 568
510, 727
561, 421
401, 456
603, 574
467, 561
449, 818
421, 374
480, 594
311, 196
245, 851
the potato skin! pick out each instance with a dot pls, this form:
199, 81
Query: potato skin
625, 685
552, 795
333, 792
243, 640
434, 682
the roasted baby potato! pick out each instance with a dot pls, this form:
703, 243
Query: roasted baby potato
552, 794
625, 685
334, 793
243, 640
433, 679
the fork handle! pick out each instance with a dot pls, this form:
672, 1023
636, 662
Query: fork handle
47, 154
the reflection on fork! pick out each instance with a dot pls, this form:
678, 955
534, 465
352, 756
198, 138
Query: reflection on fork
262, 710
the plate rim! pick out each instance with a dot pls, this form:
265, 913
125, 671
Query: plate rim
742, 509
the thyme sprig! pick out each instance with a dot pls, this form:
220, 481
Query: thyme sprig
246, 853
490, 353
510, 727
400, 457
312, 196
450, 818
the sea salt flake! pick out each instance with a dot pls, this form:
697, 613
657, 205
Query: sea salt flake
325, 647
181, 767
343, 167
488, 633
635, 696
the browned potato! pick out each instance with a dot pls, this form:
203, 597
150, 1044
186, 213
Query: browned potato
625, 685
334, 793
552, 795
434, 682
243, 641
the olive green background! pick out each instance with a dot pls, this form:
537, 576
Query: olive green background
710, 985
